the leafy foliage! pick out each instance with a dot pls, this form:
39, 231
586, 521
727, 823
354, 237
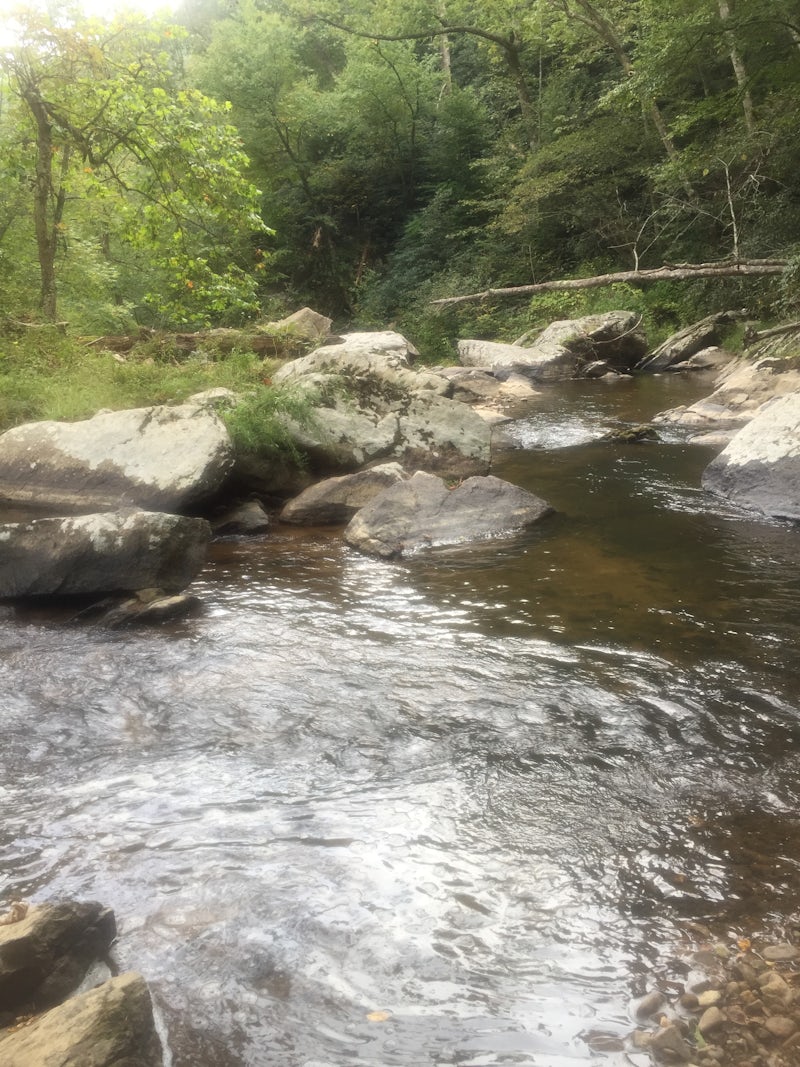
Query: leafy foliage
123, 167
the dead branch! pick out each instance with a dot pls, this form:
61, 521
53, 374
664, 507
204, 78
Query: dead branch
669, 272
752, 336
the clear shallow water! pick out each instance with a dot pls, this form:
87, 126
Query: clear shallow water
479, 792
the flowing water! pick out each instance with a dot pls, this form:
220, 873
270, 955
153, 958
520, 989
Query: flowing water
448, 811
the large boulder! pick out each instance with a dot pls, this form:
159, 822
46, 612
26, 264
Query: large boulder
109, 1026
305, 323
360, 357
741, 389
423, 513
760, 468
100, 553
336, 500
368, 404
160, 458
564, 349
46, 953
681, 346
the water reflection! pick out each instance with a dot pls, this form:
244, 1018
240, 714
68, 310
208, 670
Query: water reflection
447, 812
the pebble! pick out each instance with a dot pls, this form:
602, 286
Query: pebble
780, 953
774, 988
780, 1026
649, 1004
670, 1040
709, 998
711, 1019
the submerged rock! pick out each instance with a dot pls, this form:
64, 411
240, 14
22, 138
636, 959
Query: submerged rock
423, 513
631, 435
147, 607
104, 553
110, 1026
159, 458
760, 467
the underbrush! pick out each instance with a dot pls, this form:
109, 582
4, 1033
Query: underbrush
45, 375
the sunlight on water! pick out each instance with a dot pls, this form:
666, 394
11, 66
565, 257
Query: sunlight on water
476, 793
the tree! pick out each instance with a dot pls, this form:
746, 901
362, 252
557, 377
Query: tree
103, 119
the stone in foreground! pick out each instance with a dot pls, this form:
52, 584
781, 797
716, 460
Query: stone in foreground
423, 513
103, 553
160, 458
110, 1026
760, 468
336, 500
45, 955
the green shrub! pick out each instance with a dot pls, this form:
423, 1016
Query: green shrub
257, 422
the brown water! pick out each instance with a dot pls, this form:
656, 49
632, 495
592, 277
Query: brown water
480, 791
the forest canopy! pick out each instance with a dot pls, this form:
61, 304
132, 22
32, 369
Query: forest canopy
369, 157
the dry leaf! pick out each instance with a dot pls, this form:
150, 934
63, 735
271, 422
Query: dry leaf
378, 1016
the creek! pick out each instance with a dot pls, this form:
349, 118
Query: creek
456, 810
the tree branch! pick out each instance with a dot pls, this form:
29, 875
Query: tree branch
669, 272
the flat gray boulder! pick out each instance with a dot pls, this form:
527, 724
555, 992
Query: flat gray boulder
109, 1026
45, 954
101, 553
423, 513
160, 458
368, 403
760, 467
336, 500
564, 348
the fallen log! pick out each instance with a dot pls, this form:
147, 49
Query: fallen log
669, 272
753, 336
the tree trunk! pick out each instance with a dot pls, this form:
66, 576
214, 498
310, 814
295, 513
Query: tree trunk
444, 45
511, 51
725, 12
46, 236
596, 21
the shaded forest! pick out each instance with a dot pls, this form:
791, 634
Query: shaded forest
369, 158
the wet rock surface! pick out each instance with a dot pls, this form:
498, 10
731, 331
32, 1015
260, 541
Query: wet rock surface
109, 1026
102, 553
45, 953
423, 512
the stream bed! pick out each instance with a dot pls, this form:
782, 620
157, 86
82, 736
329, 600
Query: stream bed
455, 810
